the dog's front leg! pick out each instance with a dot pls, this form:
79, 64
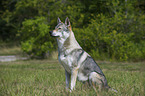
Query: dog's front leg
73, 77
67, 79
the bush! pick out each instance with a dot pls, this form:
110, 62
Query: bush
112, 37
35, 37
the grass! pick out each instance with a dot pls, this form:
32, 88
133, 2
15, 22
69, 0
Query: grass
46, 78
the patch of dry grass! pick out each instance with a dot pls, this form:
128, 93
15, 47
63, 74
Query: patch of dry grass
10, 50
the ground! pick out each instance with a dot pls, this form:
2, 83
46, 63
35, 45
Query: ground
46, 78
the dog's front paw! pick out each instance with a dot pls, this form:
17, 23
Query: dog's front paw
70, 91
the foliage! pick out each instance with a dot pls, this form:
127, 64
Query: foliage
106, 29
35, 37
114, 37
101, 38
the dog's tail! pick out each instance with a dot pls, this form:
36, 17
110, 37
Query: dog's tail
111, 89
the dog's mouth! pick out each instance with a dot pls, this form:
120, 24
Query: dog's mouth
50, 32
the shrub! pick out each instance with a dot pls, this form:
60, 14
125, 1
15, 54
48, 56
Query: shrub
35, 37
111, 37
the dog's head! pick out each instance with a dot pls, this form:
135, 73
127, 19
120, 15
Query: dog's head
62, 30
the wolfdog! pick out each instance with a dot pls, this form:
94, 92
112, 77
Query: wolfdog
78, 64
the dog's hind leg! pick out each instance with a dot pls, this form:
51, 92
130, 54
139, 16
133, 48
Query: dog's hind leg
95, 79
93, 84
67, 78
73, 77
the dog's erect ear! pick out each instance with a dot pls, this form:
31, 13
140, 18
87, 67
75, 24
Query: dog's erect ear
58, 20
67, 22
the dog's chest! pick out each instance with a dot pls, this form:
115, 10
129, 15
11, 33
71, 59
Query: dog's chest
66, 62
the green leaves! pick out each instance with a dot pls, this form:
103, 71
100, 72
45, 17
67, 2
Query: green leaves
110, 38
106, 29
35, 37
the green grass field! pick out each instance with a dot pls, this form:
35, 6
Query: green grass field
46, 78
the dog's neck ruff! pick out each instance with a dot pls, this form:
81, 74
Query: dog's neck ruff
67, 45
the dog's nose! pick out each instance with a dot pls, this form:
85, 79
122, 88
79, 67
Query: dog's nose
50, 32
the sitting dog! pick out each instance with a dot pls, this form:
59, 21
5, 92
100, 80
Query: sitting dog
78, 64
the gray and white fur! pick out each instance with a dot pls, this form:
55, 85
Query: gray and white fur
78, 64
